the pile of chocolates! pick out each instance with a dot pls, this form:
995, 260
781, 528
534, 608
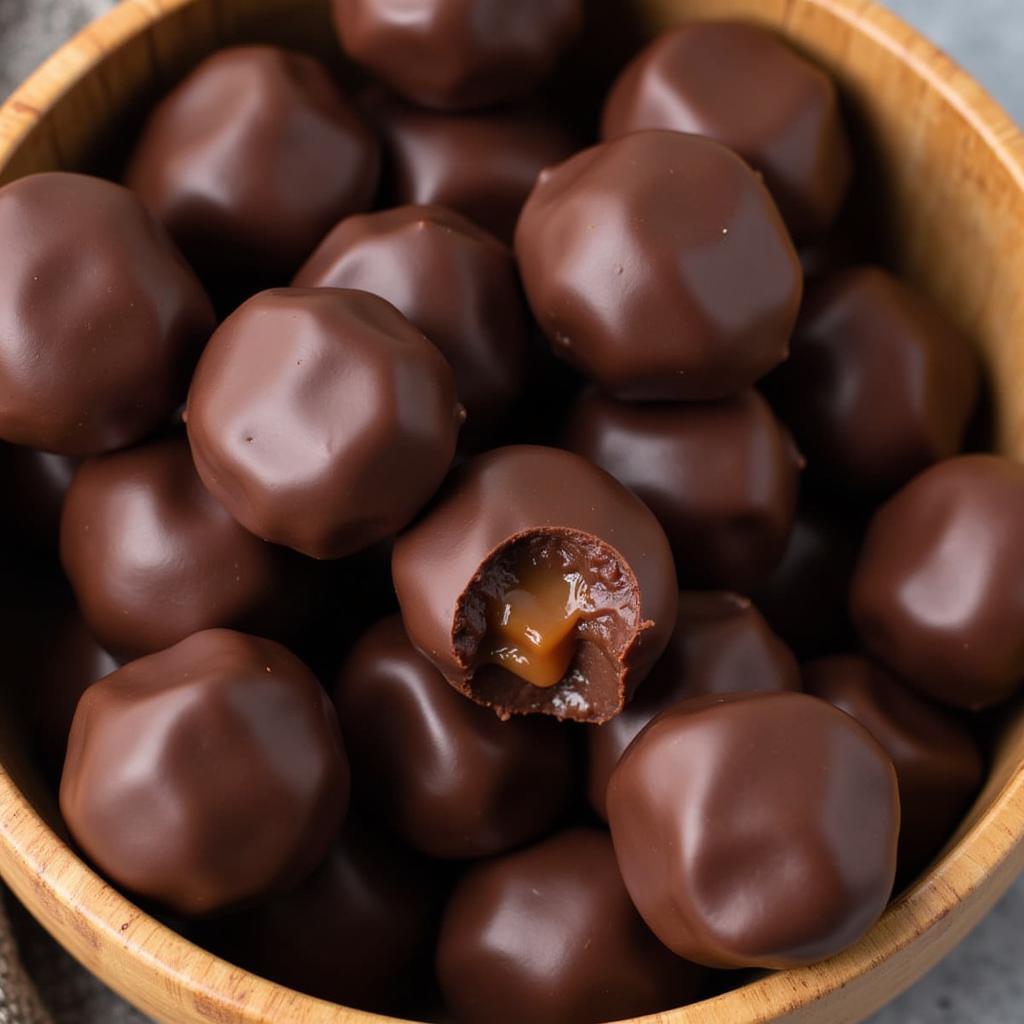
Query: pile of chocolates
505, 575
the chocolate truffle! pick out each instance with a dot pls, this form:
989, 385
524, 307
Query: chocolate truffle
37, 481
878, 385
659, 266
937, 594
938, 764
101, 321
252, 159
445, 774
322, 419
457, 283
721, 644
153, 558
537, 582
722, 478
756, 830
548, 935
458, 54
745, 88
179, 763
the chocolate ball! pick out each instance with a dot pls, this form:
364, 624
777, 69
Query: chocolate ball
101, 321
458, 54
745, 88
721, 644
538, 583
722, 478
937, 593
252, 159
322, 419
37, 482
206, 775
548, 935
878, 385
659, 266
756, 830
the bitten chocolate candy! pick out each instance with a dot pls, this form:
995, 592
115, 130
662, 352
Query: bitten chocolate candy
457, 283
938, 763
756, 830
878, 385
742, 86
721, 644
548, 935
322, 419
458, 54
937, 594
445, 774
721, 477
101, 321
206, 775
252, 159
537, 582
659, 266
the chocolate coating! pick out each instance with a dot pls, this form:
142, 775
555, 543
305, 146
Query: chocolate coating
659, 266
322, 419
721, 644
458, 54
39, 481
756, 830
101, 321
179, 763
252, 159
937, 594
878, 385
548, 935
446, 564
445, 774
745, 88
721, 477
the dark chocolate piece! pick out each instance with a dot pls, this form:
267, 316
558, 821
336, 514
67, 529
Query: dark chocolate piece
38, 481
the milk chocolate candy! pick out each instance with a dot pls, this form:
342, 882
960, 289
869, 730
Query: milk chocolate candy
936, 596
322, 419
721, 477
658, 265
538, 583
548, 935
207, 775
101, 321
745, 88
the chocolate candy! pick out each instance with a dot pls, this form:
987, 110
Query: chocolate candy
206, 775
721, 644
322, 419
548, 934
458, 54
537, 582
721, 477
938, 764
659, 266
937, 594
446, 775
101, 321
456, 283
252, 159
744, 87
37, 481
878, 385
756, 830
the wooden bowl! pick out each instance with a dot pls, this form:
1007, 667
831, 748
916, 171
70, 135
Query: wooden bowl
946, 180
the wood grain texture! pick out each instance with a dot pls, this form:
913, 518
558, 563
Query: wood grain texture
947, 177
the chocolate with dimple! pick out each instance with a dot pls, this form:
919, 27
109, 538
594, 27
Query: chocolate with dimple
455, 558
658, 265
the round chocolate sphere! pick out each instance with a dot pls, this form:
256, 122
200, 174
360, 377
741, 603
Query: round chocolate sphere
756, 830
101, 321
322, 419
659, 266
206, 775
